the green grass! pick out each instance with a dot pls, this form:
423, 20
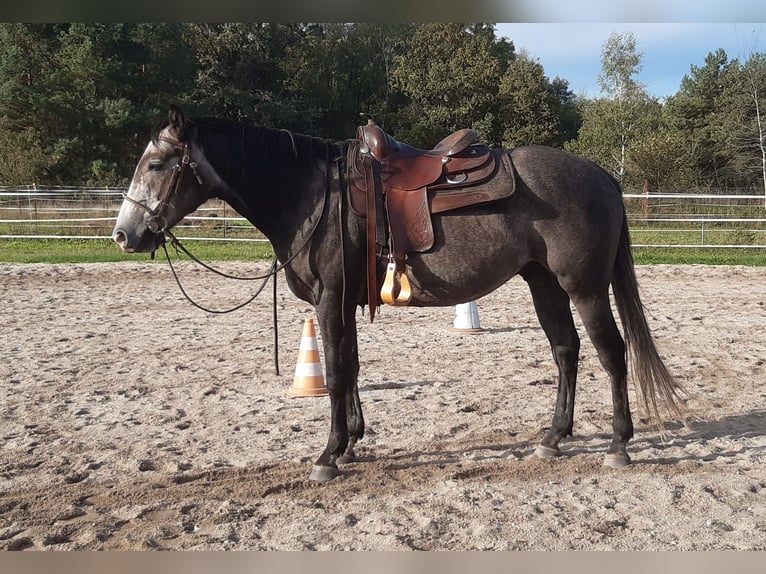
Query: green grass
704, 256
98, 251
714, 235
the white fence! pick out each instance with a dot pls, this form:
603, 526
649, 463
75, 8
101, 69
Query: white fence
90, 213
696, 220
656, 220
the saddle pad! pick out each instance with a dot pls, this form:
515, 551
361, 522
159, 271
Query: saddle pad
498, 186
409, 211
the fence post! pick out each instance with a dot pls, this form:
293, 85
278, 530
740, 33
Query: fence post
646, 198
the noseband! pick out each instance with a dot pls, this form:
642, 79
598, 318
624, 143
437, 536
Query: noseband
158, 223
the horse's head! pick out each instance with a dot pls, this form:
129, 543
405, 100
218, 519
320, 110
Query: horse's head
168, 184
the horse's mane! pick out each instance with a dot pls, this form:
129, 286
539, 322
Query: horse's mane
268, 156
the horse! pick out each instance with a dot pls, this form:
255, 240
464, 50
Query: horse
563, 230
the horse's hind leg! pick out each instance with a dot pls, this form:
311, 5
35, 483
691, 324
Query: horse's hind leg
596, 314
555, 316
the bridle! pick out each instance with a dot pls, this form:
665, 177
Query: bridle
158, 223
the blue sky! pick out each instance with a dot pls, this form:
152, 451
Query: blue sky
572, 51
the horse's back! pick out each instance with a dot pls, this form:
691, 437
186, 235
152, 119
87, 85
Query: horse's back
562, 178
565, 214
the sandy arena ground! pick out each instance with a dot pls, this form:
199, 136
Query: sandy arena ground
132, 421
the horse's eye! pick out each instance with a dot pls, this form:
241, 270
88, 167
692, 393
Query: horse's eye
155, 165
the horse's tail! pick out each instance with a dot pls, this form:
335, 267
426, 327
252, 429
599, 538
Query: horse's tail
649, 372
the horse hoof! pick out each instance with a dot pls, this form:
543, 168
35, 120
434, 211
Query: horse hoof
616, 460
543, 451
323, 473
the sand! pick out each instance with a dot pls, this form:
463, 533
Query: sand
133, 421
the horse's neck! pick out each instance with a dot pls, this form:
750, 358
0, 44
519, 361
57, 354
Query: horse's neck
282, 207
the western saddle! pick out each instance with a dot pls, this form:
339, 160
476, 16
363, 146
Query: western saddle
397, 188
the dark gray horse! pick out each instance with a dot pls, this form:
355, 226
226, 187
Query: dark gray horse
563, 230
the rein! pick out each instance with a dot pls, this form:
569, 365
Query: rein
157, 224
177, 244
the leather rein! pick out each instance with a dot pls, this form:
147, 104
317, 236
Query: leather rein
157, 224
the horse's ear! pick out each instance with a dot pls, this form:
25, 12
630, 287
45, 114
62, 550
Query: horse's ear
176, 120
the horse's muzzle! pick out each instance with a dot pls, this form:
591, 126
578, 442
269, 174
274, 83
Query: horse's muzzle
147, 243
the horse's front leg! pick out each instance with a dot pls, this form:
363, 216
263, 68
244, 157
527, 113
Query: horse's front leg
342, 368
354, 417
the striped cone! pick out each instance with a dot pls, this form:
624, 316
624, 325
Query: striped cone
309, 379
467, 319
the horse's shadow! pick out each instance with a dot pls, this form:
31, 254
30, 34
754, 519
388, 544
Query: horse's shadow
678, 436
734, 427
403, 385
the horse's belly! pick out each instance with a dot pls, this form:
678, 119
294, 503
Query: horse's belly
463, 269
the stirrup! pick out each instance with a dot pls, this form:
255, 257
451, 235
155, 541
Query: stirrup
396, 288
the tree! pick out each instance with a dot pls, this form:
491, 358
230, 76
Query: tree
745, 120
97, 69
696, 111
613, 124
239, 73
450, 75
528, 104
22, 158
77, 98
28, 80
342, 70
661, 160
376, 47
567, 110
619, 63
77, 101
755, 76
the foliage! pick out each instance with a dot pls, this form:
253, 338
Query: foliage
695, 113
745, 121
450, 75
22, 157
660, 159
612, 126
77, 100
339, 71
719, 113
529, 104
708, 135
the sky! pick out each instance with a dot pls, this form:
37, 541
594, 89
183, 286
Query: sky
572, 51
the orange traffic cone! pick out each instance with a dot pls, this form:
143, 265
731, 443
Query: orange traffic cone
309, 379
